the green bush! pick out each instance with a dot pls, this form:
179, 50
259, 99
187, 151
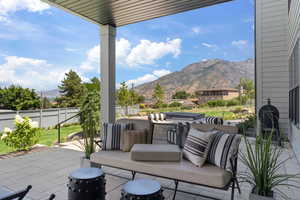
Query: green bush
250, 122
25, 135
232, 102
238, 109
142, 106
175, 104
187, 107
216, 103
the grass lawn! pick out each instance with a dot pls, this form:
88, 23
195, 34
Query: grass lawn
48, 137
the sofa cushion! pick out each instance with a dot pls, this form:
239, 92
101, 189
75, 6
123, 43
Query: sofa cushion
138, 124
156, 152
223, 147
197, 146
112, 135
131, 137
208, 174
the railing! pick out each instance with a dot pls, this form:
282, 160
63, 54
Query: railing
62, 122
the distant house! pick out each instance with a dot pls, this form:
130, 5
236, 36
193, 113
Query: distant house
216, 94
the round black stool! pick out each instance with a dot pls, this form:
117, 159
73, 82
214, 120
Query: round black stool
142, 189
87, 183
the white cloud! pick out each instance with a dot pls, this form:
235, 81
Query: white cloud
197, 30
240, 43
214, 47
160, 73
148, 77
144, 53
10, 6
147, 52
71, 49
204, 60
31, 73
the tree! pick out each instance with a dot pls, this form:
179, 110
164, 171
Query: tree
71, 90
181, 95
18, 98
123, 95
158, 95
248, 87
93, 85
45, 103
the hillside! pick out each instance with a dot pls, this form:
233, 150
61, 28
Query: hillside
214, 73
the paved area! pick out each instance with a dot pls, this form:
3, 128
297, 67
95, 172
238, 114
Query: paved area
47, 172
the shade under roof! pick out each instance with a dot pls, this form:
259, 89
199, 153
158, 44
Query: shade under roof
123, 12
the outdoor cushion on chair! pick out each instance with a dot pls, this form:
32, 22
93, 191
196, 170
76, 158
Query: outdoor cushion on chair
156, 152
112, 135
208, 174
131, 137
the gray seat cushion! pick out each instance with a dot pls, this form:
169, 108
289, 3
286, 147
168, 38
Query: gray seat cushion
208, 174
156, 152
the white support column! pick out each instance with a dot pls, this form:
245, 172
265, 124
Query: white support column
108, 72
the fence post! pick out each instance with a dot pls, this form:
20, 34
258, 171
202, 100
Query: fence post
65, 113
58, 136
58, 115
41, 117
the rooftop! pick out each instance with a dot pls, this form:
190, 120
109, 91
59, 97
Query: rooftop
123, 12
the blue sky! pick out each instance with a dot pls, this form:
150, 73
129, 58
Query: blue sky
39, 43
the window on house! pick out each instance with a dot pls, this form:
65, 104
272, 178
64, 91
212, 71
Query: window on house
294, 64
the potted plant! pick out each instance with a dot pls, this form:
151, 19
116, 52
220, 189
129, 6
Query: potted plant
90, 123
263, 161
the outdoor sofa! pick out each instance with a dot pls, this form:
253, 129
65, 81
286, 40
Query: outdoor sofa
183, 171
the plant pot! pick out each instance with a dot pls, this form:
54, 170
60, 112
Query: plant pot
253, 196
85, 162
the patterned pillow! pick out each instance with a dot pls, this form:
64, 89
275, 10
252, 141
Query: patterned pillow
179, 134
112, 135
223, 146
172, 136
197, 146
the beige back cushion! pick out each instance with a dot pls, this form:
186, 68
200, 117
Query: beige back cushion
138, 124
131, 137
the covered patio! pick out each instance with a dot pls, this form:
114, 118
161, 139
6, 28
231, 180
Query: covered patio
111, 14
47, 171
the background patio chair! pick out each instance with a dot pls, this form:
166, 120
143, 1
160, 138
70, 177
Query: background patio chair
269, 121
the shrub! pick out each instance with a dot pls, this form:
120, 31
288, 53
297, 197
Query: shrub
232, 102
187, 107
25, 135
164, 105
238, 109
175, 104
142, 106
216, 103
250, 122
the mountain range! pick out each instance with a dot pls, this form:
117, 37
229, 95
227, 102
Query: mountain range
208, 74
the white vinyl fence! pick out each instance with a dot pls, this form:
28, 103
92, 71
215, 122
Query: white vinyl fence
51, 117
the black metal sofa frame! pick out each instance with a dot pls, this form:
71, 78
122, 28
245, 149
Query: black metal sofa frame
233, 183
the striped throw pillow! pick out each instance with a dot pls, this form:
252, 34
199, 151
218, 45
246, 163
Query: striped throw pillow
112, 135
197, 146
172, 136
223, 146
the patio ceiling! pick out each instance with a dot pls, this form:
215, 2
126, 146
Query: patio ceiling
122, 12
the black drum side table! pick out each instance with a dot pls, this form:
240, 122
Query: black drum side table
87, 184
142, 189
